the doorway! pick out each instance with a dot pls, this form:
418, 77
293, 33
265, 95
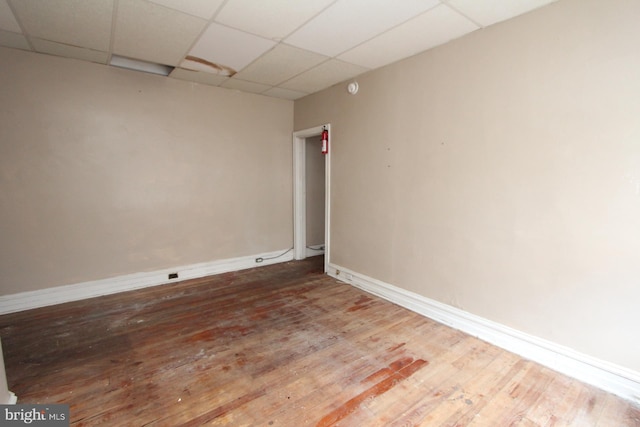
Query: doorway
300, 244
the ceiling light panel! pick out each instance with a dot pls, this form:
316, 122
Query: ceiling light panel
432, 28
348, 23
487, 12
154, 33
324, 75
200, 8
137, 65
273, 19
7, 20
228, 48
85, 23
269, 69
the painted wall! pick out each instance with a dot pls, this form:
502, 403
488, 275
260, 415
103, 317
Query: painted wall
500, 174
314, 182
105, 172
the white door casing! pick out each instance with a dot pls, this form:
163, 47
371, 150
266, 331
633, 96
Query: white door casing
299, 193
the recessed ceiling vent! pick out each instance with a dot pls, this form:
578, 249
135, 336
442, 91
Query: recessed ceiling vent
136, 65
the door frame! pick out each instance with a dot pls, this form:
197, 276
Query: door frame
299, 193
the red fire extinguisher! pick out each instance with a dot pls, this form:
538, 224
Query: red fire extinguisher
325, 140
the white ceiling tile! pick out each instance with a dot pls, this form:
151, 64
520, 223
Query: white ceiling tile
85, 23
154, 33
324, 75
279, 92
487, 12
325, 41
228, 47
14, 40
280, 64
201, 8
198, 76
7, 20
245, 86
273, 19
432, 28
348, 23
59, 49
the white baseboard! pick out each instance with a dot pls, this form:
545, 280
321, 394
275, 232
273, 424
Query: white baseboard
314, 250
607, 376
7, 397
61, 294
12, 400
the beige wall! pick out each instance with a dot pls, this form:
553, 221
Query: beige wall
105, 172
500, 174
314, 182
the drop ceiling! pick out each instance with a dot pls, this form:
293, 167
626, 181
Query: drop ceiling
280, 48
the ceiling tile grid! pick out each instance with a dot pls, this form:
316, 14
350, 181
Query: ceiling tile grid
153, 33
7, 20
82, 23
200, 8
271, 19
323, 76
245, 86
197, 77
432, 28
68, 51
489, 12
13, 40
269, 69
348, 23
229, 48
280, 48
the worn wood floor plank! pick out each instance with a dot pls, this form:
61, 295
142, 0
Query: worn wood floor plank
281, 345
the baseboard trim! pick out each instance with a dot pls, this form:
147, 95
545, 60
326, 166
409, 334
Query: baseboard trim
314, 250
5, 394
604, 375
95, 288
12, 400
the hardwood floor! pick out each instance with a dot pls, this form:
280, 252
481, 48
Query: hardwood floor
281, 345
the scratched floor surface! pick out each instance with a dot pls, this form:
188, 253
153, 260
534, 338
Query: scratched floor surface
281, 345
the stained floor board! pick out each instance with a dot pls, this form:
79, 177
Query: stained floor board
282, 345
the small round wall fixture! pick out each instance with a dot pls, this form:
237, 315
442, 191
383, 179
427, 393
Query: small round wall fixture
352, 88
